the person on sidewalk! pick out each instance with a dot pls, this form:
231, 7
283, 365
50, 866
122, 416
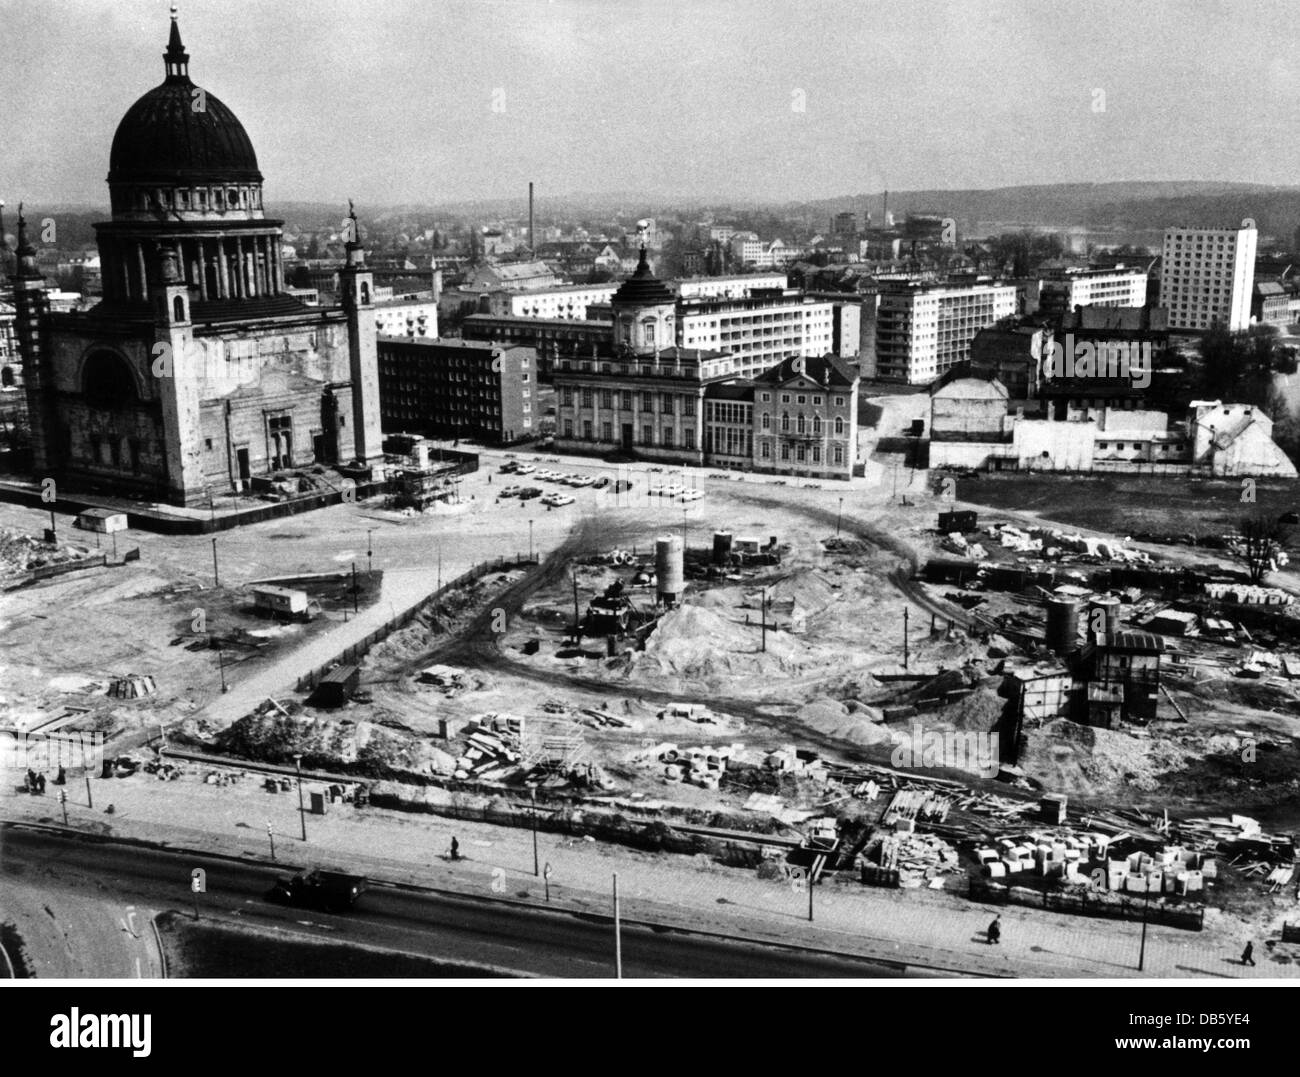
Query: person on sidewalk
995, 931
1248, 954
455, 849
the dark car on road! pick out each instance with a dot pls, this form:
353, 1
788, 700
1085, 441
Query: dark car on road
530, 492
330, 891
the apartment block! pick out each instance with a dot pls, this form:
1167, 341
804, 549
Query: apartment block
457, 388
1207, 276
1070, 288
759, 331
925, 329
566, 301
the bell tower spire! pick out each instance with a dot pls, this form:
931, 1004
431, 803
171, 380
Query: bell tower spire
177, 60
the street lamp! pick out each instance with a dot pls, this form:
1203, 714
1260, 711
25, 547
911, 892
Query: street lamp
370, 552
838, 516
302, 811
216, 576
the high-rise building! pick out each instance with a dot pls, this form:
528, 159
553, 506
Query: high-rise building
924, 329
1207, 275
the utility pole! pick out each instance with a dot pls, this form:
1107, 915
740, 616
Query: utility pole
618, 935
354, 587
838, 517
576, 624
221, 662
1146, 901
763, 610
536, 869
302, 811
63, 803
271, 834
370, 552
216, 576
810, 891
90, 800
905, 656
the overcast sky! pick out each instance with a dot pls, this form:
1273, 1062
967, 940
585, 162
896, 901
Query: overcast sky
393, 101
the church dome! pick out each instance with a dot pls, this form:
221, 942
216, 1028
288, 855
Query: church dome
643, 288
178, 133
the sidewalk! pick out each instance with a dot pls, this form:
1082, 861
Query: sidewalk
933, 929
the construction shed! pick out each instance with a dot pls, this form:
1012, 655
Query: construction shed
336, 687
105, 521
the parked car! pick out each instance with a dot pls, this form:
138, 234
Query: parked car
675, 489
600, 483
656, 490
525, 469
509, 467
511, 491
692, 495
557, 499
530, 492
582, 480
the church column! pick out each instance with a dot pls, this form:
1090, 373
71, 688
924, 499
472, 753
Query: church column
237, 267
263, 265
124, 266
203, 270
223, 276
279, 264
140, 265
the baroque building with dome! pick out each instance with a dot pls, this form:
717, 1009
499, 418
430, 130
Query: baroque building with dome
197, 371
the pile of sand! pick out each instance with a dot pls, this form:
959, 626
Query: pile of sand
853, 723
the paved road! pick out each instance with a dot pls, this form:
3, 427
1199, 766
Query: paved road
456, 929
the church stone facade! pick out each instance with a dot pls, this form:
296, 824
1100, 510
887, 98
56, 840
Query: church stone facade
197, 371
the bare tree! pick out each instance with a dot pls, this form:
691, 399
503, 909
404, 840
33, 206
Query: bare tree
1260, 541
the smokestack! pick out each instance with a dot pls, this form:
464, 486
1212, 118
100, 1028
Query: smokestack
532, 234
884, 213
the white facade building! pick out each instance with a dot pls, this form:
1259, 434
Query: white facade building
734, 287
1118, 287
759, 331
922, 330
1206, 276
568, 301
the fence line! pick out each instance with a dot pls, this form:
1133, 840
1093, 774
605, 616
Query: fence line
353, 653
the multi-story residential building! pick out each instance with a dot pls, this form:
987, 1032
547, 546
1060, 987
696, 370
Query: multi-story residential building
1070, 288
805, 418
457, 388
550, 337
759, 331
1207, 275
565, 301
748, 249
924, 329
844, 225
411, 315
739, 286
1276, 303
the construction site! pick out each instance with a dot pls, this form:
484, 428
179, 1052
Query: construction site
909, 697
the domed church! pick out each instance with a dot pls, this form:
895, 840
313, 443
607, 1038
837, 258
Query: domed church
197, 371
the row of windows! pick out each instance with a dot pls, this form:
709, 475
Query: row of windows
801, 454
588, 433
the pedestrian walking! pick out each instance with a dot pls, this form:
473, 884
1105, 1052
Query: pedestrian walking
455, 849
1248, 955
995, 931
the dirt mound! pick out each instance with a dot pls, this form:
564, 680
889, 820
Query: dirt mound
835, 719
1072, 758
327, 743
